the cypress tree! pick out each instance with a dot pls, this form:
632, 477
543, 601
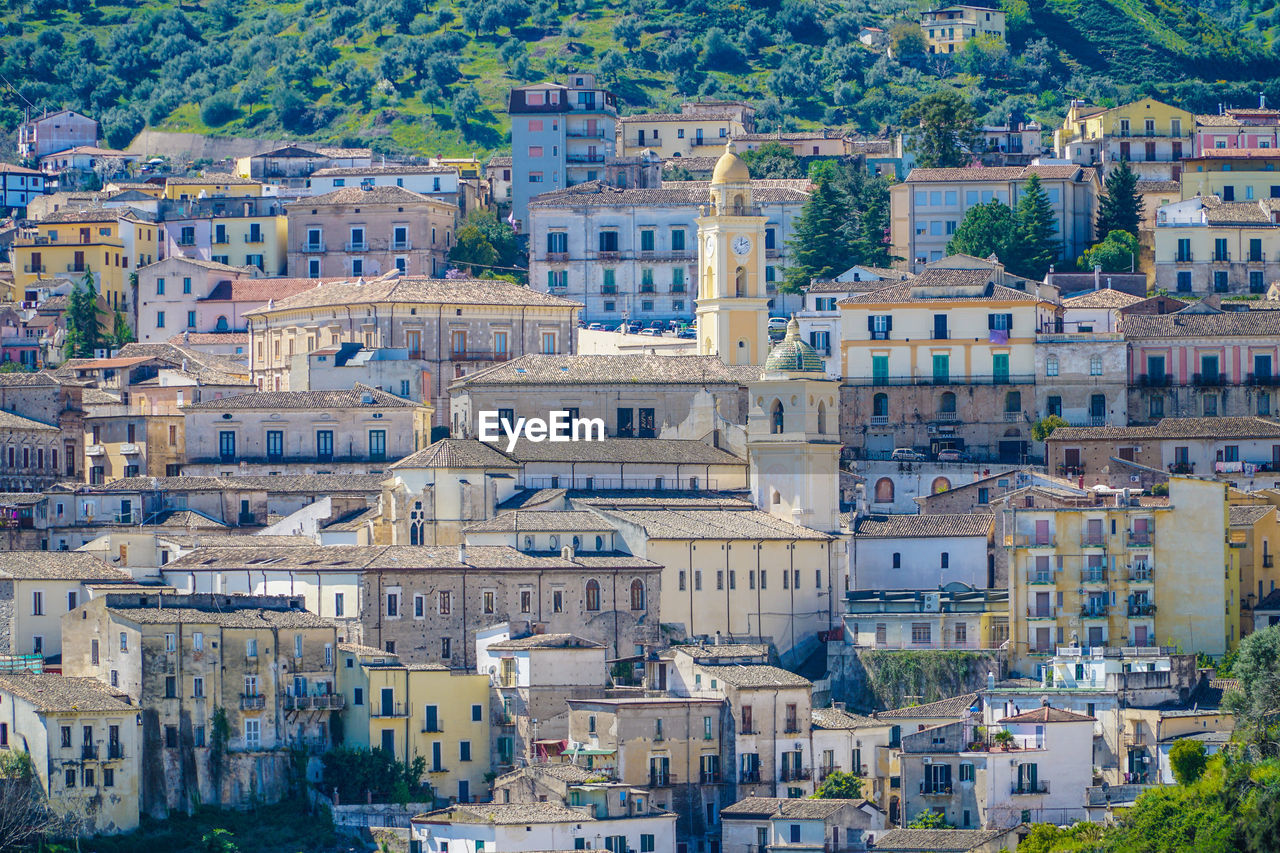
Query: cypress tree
1121, 207
84, 334
820, 245
1036, 244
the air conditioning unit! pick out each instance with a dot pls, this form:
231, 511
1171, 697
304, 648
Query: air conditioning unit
931, 602
926, 760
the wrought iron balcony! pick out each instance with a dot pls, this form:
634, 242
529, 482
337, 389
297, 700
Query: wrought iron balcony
252, 701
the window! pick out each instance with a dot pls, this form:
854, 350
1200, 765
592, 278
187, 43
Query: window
252, 733
159, 319
526, 601
377, 445
445, 603
637, 595
37, 600
197, 687
275, 444
1095, 365
1051, 366
446, 648
393, 604
593, 595
159, 287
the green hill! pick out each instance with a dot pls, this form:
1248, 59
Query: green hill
430, 78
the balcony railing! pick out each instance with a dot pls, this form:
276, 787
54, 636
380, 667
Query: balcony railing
1263, 379
1141, 573
1155, 380
1182, 467
709, 777
353, 246
1024, 540
478, 355
1207, 380
1025, 788
89, 751
1049, 612
1221, 257
879, 420
253, 238
1096, 541
313, 247
114, 750
252, 701
1142, 609
1138, 539
661, 780
795, 774
1035, 577
387, 710
792, 727
1094, 575
749, 777
929, 790
401, 245
34, 268
318, 702
896, 381
1093, 611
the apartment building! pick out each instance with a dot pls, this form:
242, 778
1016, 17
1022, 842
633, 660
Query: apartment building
1151, 136
819, 314
368, 230
700, 129
562, 134
1081, 361
443, 183
1119, 572
955, 616
835, 825
1201, 361
976, 331
632, 254
946, 29
487, 322
37, 588
239, 232
53, 132
180, 658
1234, 127
1204, 245
625, 823
84, 744
929, 206
18, 186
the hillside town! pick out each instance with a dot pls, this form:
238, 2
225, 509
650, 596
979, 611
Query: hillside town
916, 555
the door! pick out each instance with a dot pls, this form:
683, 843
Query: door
1042, 532
464, 791
1042, 640
413, 342
388, 702
1093, 536
435, 756
389, 741
1095, 636
940, 327
1071, 457
1042, 604
1140, 635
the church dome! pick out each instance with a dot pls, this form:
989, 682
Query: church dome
793, 355
730, 168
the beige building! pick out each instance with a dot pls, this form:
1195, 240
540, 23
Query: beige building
946, 29
700, 129
929, 206
36, 589
369, 230
258, 671
1208, 246
84, 744
1152, 137
452, 328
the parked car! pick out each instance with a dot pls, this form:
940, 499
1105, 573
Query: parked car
653, 333
778, 323
687, 333
595, 327
906, 454
950, 456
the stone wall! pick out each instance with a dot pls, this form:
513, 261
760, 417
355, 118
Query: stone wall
962, 672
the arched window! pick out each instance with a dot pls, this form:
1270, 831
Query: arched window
940, 485
777, 497
593, 594
1051, 366
880, 405
415, 534
1013, 402
739, 282
599, 543
221, 325
947, 403
577, 542
637, 594
528, 543
555, 542
739, 205
776, 418
884, 491
417, 521
822, 418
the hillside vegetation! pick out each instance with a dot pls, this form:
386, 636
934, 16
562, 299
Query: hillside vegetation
431, 77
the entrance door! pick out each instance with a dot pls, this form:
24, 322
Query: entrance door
1140, 635
388, 702
389, 741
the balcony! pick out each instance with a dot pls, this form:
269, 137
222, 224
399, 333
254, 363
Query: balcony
1184, 257
389, 710
584, 158
353, 246
127, 518
1267, 379
929, 790
946, 417
1027, 788
879, 420
89, 751
254, 238
478, 355
942, 379
95, 450
1142, 609
709, 777
1012, 417
824, 772
1037, 578
1093, 611
252, 701
1182, 467
661, 780
1267, 561
749, 777
1141, 573
36, 268
114, 750
1138, 538
1155, 380
312, 247
77, 268
401, 245
1049, 612
589, 134
792, 728
1208, 380
609, 255
1025, 540
795, 774
130, 449
1093, 575
1221, 257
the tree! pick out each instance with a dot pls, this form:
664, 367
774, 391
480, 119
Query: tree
121, 334
627, 33
219, 841
1256, 703
1044, 427
839, 786
218, 109
1187, 760
906, 41
1036, 243
357, 772
987, 229
84, 330
1117, 253
465, 105
820, 245
944, 129
929, 820
471, 249
773, 160
1121, 207
24, 813
871, 229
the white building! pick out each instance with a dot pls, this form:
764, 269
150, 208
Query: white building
37, 588
819, 317
18, 185
769, 823
525, 827
920, 551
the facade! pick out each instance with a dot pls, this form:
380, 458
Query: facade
931, 203
53, 132
356, 431
920, 552
264, 660
18, 186
368, 230
833, 826
956, 616
243, 231
84, 746
1153, 137
211, 185
1231, 174
946, 29
443, 183
561, 135
525, 828
700, 129
1081, 361
1120, 573
28, 453
1206, 246
1253, 128
336, 368
36, 589
632, 254
165, 301
819, 314
488, 322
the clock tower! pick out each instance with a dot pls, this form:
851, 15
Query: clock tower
733, 307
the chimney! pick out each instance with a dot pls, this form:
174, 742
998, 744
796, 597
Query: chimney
991, 680
462, 553
1097, 274
1108, 282
860, 501
566, 553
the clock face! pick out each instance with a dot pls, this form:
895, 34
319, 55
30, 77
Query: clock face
741, 245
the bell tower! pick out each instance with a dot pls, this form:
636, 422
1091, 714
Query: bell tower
733, 306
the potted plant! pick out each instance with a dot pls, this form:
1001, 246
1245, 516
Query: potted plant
1004, 739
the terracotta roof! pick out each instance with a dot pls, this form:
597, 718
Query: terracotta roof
546, 641
834, 718
172, 613
51, 693
210, 338
1248, 515
10, 421
1234, 427
1198, 324
348, 558
937, 840
363, 171
499, 160
754, 675
714, 524
261, 290
671, 194
1159, 187
536, 369
361, 196
721, 651
457, 453
954, 706
359, 397
541, 521
917, 289
700, 115
212, 178
921, 526
1235, 212
92, 214
404, 290
1102, 298
505, 814
58, 565
969, 174
685, 451
12, 169
796, 809
1049, 714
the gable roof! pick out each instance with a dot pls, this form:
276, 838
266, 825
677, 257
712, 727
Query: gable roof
965, 174
1105, 297
51, 693
58, 565
953, 707
456, 453
389, 289
713, 524
1202, 322
358, 397
538, 369
546, 641
261, 289
980, 284
671, 194
795, 809
937, 840
683, 451
1049, 714
754, 675
366, 194
921, 526
1227, 427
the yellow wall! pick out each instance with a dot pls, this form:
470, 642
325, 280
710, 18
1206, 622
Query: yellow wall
948, 35
212, 189
273, 245
103, 248
1207, 178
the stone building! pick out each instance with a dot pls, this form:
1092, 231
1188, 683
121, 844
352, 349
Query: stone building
47, 399
36, 589
255, 673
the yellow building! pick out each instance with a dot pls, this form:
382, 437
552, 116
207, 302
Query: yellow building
1232, 174
948, 28
211, 186
1152, 136
733, 304
1095, 570
698, 130
109, 243
414, 710
1255, 534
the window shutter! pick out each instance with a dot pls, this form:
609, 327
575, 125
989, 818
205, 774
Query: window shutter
888, 320
1008, 322
871, 322
991, 321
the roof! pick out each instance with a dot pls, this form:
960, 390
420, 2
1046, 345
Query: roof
545, 641
351, 558
281, 483
1233, 427
507, 814
58, 565
456, 453
918, 289
714, 524
1049, 714
536, 369
248, 617
793, 355
1250, 515
358, 171
261, 289
541, 521
1270, 602
52, 693
211, 178
1105, 297
795, 809
404, 290
968, 174
656, 451
836, 718
677, 194
12, 169
919, 526
361, 195
10, 421
754, 675
198, 338
1159, 187
954, 706
937, 840
359, 397
1201, 323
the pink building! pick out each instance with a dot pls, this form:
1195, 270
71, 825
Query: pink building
224, 308
1237, 128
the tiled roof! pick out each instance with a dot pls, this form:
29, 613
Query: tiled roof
20, 498
834, 718
1159, 187
213, 369
359, 397
10, 421
967, 174
365, 651
1270, 602
754, 675
51, 693
1248, 514
701, 115
536, 369
211, 178
546, 641
24, 379
92, 214
653, 499
796, 809
210, 338
362, 171
540, 521
915, 290
172, 613
900, 526
500, 160
348, 558
936, 840
1236, 427
955, 706
58, 565
714, 524
1185, 324
399, 289
203, 264
361, 195
456, 453
280, 484
671, 194
721, 651
262, 289
1235, 212
1102, 298
1049, 714
657, 451
507, 814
